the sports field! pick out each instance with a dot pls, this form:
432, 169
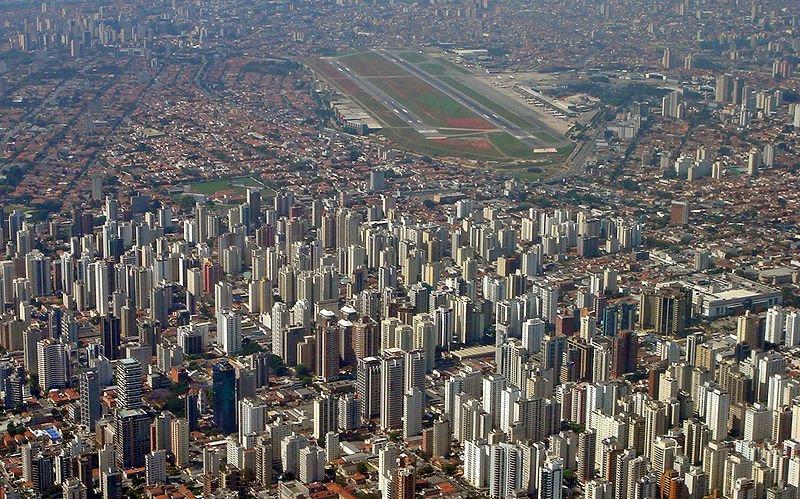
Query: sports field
432, 106
237, 186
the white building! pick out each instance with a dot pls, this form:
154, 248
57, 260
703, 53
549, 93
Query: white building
156, 467
476, 460
229, 332
717, 411
252, 416
312, 464
53, 362
505, 470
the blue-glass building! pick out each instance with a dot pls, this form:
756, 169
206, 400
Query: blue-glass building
609, 320
225, 396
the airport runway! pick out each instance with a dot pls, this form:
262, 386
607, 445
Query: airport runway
376, 93
476, 107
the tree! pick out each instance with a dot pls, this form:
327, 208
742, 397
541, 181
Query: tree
449, 468
790, 298
52, 492
33, 382
250, 347
276, 365
303, 373
186, 203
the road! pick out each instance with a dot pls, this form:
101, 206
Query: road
582, 152
576, 160
476, 107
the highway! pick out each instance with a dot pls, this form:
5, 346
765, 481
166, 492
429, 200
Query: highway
583, 151
576, 160
497, 121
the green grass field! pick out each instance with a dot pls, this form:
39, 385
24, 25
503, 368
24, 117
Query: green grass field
452, 146
546, 138
237, 185
433, 68
372, 64
510, 146
433, 107
412, 57
480, 98
450, 66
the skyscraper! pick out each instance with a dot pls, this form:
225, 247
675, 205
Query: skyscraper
101, 280
156, 467
551, 477
672, 485
413, 409
112, 332
325, 417
510, 358
391, 393
598, 489
441, 438
349, 412
37, 270
229, 332
111, 484
476, 459
624, 353
667, 310
38, 468
664, 452
90, 398
212, 274
368, 386
405, 482
667, 59
192, 411
131, 438
775, 322
679, 213
327, 345
263, 467
252, 417
224, 382
312, 464
290, 452
505, 470
254, 202
723, 88
129, 384
180, 442
73, 488
414, 371
160, 432
586, 455
717, 411
53, 362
